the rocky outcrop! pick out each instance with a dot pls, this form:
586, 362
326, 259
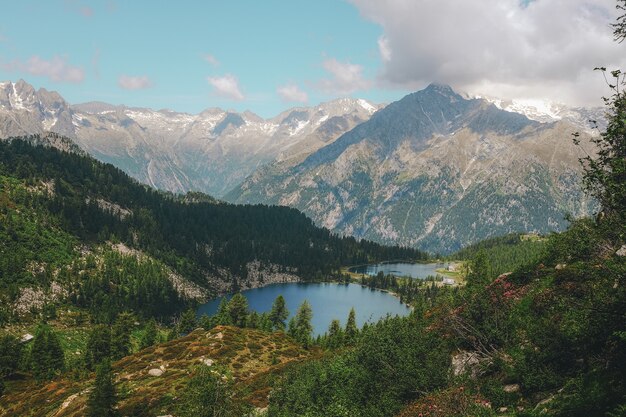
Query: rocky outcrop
259, 275
32, 299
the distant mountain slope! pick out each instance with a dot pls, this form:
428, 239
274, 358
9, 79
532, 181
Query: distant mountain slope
211, 152
434, 170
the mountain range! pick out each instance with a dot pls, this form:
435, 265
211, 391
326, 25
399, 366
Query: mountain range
435, 170
212, 151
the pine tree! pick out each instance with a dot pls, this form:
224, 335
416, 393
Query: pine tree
480, 271
120, 335
291, 327
265, 323
98, 346
238, 310
47, 354
303, 327
335, 335
102, 400
206, 322
279, 313
222, 317
10, 354
187, 322
253, 320
149, 336
351, 329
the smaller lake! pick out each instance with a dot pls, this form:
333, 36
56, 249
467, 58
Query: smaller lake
420, 271
328, 301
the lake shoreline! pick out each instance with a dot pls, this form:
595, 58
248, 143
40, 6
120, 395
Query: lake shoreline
329, 300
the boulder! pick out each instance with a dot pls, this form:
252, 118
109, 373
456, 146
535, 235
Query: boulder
207, 361
464, 362
155, 372
511, 388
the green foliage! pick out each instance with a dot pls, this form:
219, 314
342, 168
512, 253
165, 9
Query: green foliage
334, 339
103, 399
120, 283
149, 336
47, 357
605, 174
187, 322
209, 393
179, 232
98, 346
120, 335
504, 253
392, 362
302, 327
279, 313
480, 272
223, 316
238, 310
352, 331
10, 354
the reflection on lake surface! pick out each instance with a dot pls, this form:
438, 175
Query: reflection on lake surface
328, 301
421, 271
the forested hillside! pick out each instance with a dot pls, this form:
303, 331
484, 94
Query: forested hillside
65, 215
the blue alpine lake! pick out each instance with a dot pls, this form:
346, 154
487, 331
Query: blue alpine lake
329, 301
413, 270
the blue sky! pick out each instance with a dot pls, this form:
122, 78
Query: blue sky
266, 56
161, 54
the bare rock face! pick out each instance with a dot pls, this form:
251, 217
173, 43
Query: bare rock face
621, 251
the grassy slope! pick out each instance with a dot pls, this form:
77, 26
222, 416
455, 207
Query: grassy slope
255, 358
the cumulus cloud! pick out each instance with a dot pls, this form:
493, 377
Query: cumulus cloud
507, 48
227, 87
211, 60
56, 69
292, 93
134, 83
345, 78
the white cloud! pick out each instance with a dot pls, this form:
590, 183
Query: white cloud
134, 83
56, 69
546, 48
384, 49
227, 86
211, 60
292, 93
346, 77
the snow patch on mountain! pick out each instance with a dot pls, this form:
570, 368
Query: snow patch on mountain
367, 106
298, 128
546, 111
